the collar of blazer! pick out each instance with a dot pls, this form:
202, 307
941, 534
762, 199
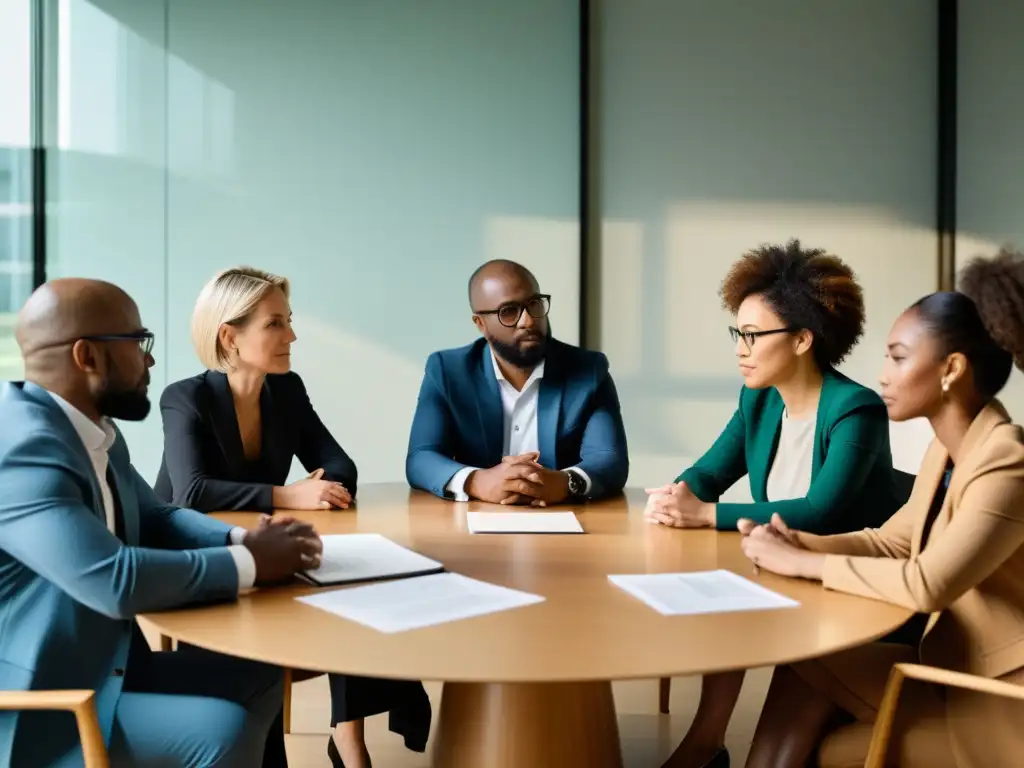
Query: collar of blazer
933, 466
225, 420
77, 454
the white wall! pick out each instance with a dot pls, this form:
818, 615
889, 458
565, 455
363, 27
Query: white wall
727, 124
990, 138
374, 153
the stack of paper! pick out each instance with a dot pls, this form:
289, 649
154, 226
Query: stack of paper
682, 594
523, 522
397, 606
353, 557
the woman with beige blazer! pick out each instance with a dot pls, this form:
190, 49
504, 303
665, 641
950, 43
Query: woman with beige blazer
954, 552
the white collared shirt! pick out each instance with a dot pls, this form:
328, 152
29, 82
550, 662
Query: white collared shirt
97, 439
519, 408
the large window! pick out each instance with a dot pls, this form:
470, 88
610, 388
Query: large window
15, 174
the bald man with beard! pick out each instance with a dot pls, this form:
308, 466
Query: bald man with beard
85, 545
516, 417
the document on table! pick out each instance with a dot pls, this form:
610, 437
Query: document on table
397, 606
684, 594
353, 557
523, 522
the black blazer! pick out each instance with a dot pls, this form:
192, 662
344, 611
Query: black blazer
204, 465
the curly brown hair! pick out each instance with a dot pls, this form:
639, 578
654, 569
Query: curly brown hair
996, 286
808, 288
984, 320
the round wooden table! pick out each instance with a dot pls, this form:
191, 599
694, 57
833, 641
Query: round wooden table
531, 686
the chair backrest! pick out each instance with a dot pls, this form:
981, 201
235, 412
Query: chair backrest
80, 703
878, 750
904, 483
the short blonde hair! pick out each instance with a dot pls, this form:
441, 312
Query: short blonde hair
230, 297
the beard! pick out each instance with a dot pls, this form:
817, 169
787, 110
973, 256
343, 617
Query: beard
527, 358
126, 404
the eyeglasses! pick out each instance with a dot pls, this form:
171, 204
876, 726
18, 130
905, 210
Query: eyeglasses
751, 336
145, 339
510, 314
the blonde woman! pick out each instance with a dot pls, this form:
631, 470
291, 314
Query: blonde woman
230, 435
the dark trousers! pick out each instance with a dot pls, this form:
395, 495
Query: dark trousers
194, 707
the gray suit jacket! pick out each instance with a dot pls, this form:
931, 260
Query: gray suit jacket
69, 588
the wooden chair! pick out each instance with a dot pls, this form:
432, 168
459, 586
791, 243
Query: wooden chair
887, 711
293, 676
664, 689
81, 703
287, 716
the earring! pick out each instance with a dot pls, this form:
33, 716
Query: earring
945, 386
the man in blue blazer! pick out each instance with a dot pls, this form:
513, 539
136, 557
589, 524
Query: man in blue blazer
85, 545
516, 417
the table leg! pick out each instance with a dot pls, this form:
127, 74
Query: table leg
541, 725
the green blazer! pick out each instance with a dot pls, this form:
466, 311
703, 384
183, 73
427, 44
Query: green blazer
853, 483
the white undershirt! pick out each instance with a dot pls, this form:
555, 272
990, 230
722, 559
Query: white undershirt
790, 475
519, 408
97, 439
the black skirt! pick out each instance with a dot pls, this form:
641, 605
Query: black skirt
353, 698
406, 701
909, 633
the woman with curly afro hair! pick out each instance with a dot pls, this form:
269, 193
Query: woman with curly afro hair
814, 443
955, 552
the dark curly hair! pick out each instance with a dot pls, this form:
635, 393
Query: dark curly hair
809, 289
984, 320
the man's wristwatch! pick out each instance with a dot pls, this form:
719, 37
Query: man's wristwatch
577, 485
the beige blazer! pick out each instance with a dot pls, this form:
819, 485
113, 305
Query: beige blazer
969, 575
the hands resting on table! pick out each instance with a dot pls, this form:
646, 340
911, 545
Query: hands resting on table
773, 546
312, 492
519, 480
282, 546
676, 506
777, 548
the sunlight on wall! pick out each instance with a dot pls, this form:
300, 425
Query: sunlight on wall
715, 137
369, 415
551, 250
375, 167
894, 263
621, 296
685, 390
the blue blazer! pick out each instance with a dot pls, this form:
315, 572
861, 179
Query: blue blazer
459, 420
69, 588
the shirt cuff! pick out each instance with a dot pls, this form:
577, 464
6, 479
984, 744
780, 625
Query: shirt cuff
237, 535
457, 485
245, 564
586, 479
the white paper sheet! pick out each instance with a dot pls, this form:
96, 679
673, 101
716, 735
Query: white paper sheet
523, 522
397, 606
353, 557
683, 594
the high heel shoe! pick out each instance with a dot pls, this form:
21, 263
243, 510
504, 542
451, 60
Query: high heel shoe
720, 760
337, 762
